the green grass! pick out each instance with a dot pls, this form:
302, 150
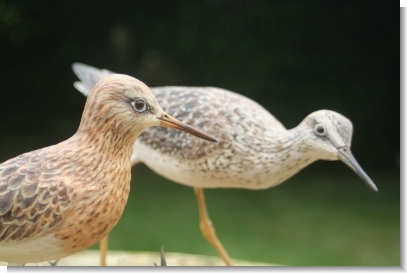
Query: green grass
325, 219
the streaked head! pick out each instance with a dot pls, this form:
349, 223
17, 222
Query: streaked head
125, 104
330, 134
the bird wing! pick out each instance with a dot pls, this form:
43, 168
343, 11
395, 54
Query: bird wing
33, 197
218, 112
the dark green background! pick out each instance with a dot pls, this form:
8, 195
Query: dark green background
293, 57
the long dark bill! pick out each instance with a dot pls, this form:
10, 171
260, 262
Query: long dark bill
345, 155
170, 122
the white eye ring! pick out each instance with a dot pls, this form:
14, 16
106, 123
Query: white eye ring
139, 105
319, 129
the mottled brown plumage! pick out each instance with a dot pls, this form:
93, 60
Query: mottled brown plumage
63, 198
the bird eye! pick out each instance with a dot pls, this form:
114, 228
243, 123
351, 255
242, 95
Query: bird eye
139, 105
320, 129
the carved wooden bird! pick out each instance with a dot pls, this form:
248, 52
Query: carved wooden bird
254, 150
61, 199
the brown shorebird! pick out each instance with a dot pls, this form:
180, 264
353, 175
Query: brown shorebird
63, 198
254, 150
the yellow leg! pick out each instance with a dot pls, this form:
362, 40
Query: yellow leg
207, 229
103, 244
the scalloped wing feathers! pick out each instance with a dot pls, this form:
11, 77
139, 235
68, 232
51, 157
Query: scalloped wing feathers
33, 196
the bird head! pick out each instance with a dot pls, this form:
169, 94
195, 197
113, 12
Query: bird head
125, 105
331, 136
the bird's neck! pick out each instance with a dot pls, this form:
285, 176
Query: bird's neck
106, 129
108, 143
287, 153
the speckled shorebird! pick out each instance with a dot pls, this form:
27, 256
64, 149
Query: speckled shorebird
63, 198
254, 150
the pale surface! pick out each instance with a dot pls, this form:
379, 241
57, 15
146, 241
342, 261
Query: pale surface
134, 258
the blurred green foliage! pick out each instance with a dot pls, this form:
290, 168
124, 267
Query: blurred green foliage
293, 57
328, 218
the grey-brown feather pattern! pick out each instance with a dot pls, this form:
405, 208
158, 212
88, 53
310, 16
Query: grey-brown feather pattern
194, 106
32, 196
254, 150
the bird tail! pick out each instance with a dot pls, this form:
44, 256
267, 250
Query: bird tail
88, 76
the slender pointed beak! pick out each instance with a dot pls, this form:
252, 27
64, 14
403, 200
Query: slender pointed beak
170, 122
345, 155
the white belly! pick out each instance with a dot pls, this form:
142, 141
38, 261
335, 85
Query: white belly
43, 248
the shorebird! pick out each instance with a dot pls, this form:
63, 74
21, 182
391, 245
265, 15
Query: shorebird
254, 150
61, 199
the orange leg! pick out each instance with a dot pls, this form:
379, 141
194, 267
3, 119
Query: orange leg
207, 229
103, 244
